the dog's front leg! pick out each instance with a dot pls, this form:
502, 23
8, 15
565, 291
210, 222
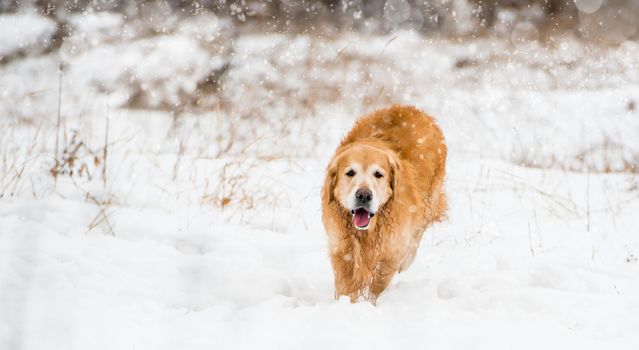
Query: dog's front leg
384, 273
345, 283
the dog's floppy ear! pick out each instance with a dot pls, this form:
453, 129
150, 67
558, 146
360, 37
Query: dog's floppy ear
329, 182
394, 170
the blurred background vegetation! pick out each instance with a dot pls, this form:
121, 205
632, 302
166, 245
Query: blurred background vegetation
607, 21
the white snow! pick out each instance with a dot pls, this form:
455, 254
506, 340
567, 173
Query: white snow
188, 278
24, 32
540, 249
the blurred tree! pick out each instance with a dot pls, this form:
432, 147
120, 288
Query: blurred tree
452, 17
55, 10
9, 6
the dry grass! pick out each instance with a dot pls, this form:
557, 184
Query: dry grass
78, 160
605, 157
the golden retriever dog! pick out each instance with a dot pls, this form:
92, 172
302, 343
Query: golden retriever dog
383, 188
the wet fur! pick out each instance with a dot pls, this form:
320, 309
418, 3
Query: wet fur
364, 262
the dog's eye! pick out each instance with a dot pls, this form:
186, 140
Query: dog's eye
350, 173
378, 174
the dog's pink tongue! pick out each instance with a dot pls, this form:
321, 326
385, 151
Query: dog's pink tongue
361, 217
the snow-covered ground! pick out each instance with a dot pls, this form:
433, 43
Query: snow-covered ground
205, 232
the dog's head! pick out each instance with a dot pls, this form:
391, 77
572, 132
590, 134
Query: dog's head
361, 179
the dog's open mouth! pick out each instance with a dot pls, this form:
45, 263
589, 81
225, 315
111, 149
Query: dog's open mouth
361, 218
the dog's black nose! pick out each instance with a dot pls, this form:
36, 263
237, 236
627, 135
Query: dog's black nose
364, 195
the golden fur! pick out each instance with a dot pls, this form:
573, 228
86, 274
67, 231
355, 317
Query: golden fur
408, 148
